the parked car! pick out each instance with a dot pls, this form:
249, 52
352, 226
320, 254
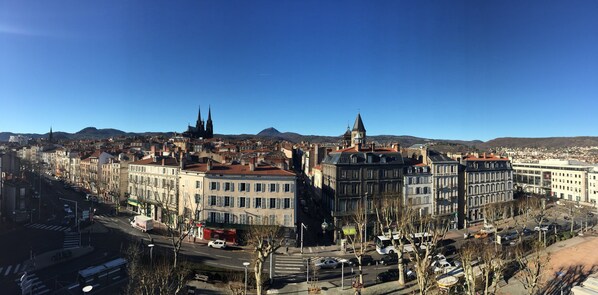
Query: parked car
542, 227
480, 235
365, 260
448, 250
445, 265
220, 244
387, 276
328, 262
390, 259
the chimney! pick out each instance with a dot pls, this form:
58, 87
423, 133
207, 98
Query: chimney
373, 147
209, 166
182, 161
162, 161
252, 164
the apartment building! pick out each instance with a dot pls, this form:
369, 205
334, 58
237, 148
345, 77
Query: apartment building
593, 186
232, 196
417, 188
487, 179
153, 184
445, 185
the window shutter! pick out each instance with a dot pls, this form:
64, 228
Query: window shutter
292, 188
217, 186
256, 188
264, 205
232, 202
277, 187
239, 187
278, 203
247, 201
248, 187
263, 187
292, 202
232, 186
254, 202
239, 202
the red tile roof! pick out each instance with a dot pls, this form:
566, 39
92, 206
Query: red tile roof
236, 169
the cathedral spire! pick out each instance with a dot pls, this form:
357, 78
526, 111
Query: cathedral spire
50, 137
209, 126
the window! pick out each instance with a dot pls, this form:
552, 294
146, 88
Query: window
287, 220
272, 187
242, 187
213, 185
287, 203
197, 184
287, 187
272, 203
227, 186
213, 217
242, 202
243, 219
227, 201
212, 200
258, 203
226, 217
258, 187
197, 199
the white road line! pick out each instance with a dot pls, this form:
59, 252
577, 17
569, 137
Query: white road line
222, 256
293, 268
8, 270
37, 225
17, 268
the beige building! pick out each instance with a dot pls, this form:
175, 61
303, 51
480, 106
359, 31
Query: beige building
562, 179
153, 183
593, 186
230, 195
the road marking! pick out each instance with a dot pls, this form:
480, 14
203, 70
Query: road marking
221, 256
8, 270
289, 268
16, 268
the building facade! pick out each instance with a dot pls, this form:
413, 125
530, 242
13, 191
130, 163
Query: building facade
486, 180
417, 189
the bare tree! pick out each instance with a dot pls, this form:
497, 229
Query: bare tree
265, 239
423, 233
357, 242
157, 278
531, 265
469, 253
491, 266
171, 218
392, 224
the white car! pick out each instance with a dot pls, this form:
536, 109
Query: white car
541, 227
327, 262
220, 244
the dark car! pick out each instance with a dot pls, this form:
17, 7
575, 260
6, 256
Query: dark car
387, 276
390, 259
365, 260
448, 250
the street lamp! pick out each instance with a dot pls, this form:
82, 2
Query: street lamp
302, 227
246, 264
87, 289
343, 261
151, 246
324, 226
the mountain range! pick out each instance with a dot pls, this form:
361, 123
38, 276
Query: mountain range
404, 140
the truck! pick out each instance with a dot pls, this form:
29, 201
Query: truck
143, 223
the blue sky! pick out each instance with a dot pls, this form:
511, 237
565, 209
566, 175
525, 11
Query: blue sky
433, 69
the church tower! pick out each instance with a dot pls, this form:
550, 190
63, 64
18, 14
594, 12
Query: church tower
358, 132
209, 127
51, 136
199, 128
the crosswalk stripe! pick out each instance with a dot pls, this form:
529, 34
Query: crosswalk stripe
8, 270
17, 268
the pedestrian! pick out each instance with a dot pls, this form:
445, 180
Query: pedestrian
287, 250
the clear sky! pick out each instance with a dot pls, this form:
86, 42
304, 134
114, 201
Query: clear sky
434, 69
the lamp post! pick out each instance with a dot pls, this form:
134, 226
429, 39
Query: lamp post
365, 206
324, 226
151, 246
246, 264
343, 261
302, 227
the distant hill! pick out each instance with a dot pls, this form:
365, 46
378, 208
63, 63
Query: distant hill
404, 140
547, 142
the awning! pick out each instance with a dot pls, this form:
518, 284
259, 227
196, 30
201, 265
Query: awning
349, 230
133, 202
